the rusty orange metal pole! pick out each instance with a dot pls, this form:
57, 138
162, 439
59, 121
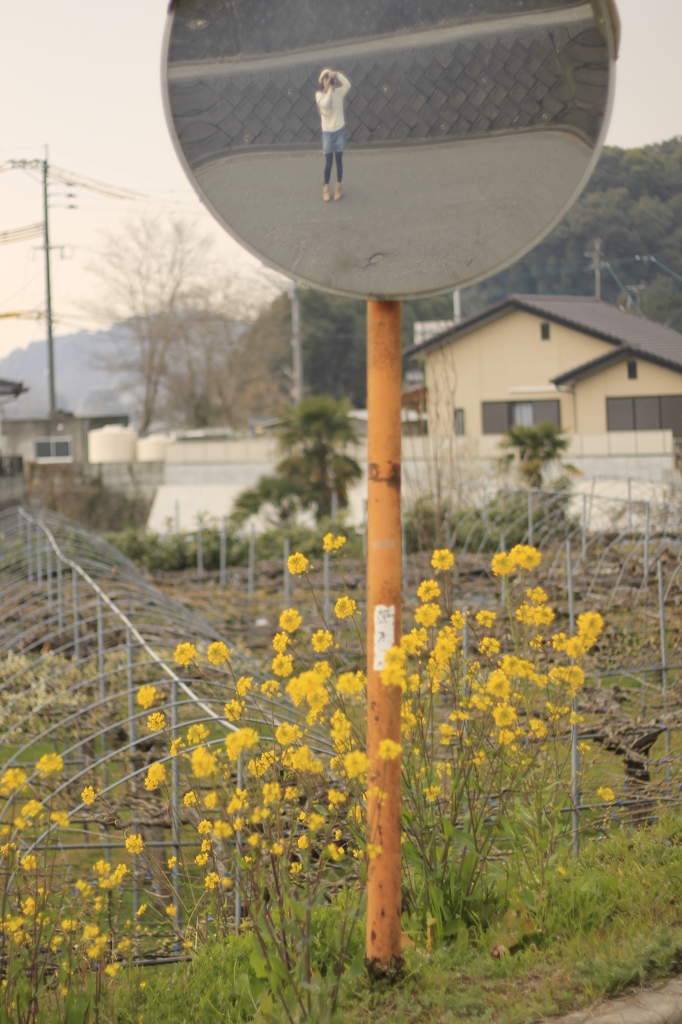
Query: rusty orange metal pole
384, 589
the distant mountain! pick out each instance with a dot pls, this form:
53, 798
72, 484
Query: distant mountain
82, 388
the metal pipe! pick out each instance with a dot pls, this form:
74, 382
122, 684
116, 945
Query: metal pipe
252, 560
530, 517
175, 784
102, 697
238, 837
584, 531
131, 738
664, 659
223, 552
60, 597
646, 544
200, 549
630, 505
76, 637
326, 587
48, 577
575, 753
384, 586
287, 576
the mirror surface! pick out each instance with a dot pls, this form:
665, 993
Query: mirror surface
463, 130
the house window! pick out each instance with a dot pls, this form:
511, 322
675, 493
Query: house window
459, 422
53, 449
522, 414
632, 370
499, 416
663, 412
545, 332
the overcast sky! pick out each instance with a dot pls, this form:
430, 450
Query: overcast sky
83, 76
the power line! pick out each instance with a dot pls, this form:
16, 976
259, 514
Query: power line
24, 234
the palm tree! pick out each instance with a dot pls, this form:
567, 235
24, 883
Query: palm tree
313, 437
537, 447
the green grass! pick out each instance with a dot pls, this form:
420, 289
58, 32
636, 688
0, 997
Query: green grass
612, 921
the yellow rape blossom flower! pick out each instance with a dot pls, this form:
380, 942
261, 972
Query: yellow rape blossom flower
60, 818
503, 564
270, 688
185, 654
297, 563
287, 734
156, 774
172, 862
134, 844
203, 763
504, 714
197, 734
332, 543
156, 721
538, 728
321, 641
389, 750
442, 560
190, 799
498, 685
222, 829
243, 686
170, 910
393, 673
176, 746
212, 880
485, 618
432, 793
283, 664
446, 732
606, 793
272, 793
349, 684
204, 827
211, 801
290, 620
13, 779
356, 764
218, 653
344, 607
526, 557
32, 809
280, 642
233, 710
302, 760
88, 795
48, 764
489, 646
335, 798
335, 852
427, 615
243, 739
146, 696
428, 590
506, 737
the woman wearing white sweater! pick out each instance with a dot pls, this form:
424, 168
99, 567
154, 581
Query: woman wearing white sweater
330, 96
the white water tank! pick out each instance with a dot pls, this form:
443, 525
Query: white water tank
152, 448
113, 443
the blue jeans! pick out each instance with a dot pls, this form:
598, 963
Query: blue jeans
334, 142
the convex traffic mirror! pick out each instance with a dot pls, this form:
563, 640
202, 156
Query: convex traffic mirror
392, 148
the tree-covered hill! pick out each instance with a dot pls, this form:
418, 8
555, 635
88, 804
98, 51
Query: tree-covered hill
633, 203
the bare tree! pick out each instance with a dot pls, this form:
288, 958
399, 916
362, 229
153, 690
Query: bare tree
153, 273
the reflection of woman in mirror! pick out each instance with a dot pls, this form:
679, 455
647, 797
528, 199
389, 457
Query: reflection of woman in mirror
330, 96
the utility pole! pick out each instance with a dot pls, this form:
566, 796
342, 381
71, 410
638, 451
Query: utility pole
297, 385
637, 290
595, 255
48, 292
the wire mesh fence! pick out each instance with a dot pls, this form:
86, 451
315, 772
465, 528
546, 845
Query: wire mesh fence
83, 631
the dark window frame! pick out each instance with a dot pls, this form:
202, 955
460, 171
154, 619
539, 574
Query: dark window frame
632, 369
546, 331
460, 423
